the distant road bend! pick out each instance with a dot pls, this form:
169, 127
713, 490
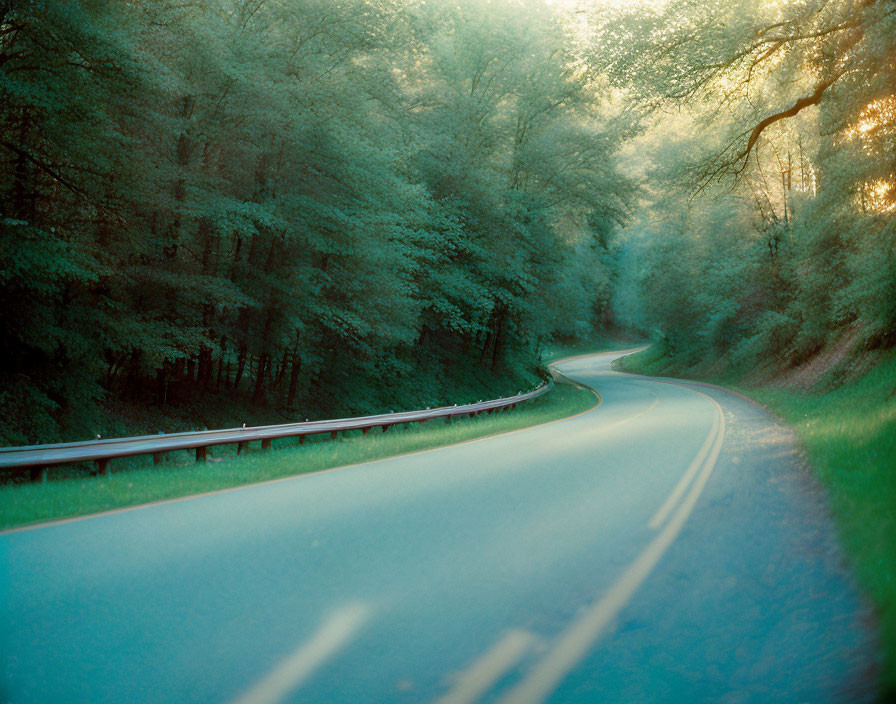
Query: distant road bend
667, 546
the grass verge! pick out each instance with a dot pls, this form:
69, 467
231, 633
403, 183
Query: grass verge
849, 432
135, 480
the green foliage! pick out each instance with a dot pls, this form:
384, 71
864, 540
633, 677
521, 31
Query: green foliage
316, 207
771, 195
718, 289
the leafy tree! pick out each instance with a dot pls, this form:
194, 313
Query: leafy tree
305, 207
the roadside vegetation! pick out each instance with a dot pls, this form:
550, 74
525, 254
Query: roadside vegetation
305, 208
847, 424
74, 491
223, 212
763, 254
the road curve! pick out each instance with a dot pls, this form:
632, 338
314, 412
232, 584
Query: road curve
668, 545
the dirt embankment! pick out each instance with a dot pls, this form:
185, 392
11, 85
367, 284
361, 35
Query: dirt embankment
833, 364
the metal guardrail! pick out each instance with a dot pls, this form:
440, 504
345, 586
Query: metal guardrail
38, 458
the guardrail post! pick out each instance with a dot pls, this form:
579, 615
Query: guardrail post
301, 439
242, 446
102, 466
266, 444
384, 427
364, 431
201, 454
158, 457
334, 435
38, 474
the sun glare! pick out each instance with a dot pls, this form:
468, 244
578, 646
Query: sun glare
877, 119
878, 196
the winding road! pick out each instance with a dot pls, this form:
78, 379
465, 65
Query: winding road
667, 546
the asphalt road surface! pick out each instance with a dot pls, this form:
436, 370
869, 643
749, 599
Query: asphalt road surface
667, 546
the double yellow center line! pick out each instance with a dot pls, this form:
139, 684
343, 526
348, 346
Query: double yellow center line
577, 640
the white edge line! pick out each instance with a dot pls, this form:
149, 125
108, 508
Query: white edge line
574, 643
477, 679
289, 675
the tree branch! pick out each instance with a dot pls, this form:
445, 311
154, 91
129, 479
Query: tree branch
53, 173
794, 109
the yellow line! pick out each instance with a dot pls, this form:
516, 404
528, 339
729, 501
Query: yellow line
660, 516
297, 667
482, 674
575, 642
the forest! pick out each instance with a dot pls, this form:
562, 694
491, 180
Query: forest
225, 213
311, 207
766, 230
315, 208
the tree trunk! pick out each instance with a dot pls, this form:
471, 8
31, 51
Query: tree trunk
221, 362
499, 336
240, 367
258, 392
162, 384
204, 373
278, 380
295, 366
23, 190
293, 379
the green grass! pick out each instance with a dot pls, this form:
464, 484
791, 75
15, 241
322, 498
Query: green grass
849, 432
135, 481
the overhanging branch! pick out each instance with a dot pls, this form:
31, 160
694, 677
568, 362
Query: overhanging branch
797, 107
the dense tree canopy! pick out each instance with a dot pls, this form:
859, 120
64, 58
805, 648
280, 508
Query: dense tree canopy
768, 224
317, 205
328, 207
751, 65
